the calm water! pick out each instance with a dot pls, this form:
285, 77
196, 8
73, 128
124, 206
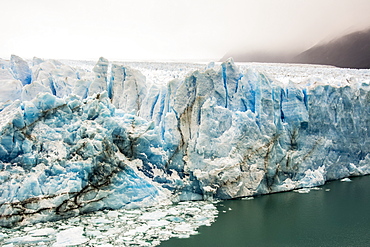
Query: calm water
336, 215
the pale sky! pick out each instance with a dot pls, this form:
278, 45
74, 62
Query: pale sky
171, 29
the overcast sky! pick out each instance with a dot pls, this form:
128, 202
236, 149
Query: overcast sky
171, 29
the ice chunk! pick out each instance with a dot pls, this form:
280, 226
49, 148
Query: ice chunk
42, 232
10, 90
113, 214
100, 82
20, 69
248, 198
153, 215
30, 91
37, 61
303, 190
4, 64
158, 223
69, 237
183, 227
101, 221
5, 75
127, 88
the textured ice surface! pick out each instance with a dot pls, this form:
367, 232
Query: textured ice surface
20, 69
10, 90
59, 158
123, 227
82, 137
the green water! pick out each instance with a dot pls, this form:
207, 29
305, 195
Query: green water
339, 217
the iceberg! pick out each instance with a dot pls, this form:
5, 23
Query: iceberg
77, 140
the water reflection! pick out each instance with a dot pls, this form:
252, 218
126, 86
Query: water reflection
337, 214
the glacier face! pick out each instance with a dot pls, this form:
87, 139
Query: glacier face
76, 140
59, 159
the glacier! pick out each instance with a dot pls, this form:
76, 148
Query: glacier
76, 140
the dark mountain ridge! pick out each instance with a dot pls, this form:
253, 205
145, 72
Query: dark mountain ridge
349, 51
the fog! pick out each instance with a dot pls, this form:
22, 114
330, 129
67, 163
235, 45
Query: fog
172, 30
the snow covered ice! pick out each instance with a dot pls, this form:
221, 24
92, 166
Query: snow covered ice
78, 137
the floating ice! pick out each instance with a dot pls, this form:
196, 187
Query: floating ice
248, 198
98, 229
42, 232
303, 190
28, 240
316, 188
346, 180
69, 237
153, 215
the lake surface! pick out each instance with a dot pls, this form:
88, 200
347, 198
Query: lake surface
337, 214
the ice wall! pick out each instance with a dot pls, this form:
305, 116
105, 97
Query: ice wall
232, 135
216, 133
61, 157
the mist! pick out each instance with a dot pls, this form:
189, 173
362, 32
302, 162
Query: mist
172, 30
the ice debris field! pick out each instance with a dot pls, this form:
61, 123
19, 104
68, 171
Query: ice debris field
78, 137
122, 227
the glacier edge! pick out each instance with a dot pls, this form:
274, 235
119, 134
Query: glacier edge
216, 133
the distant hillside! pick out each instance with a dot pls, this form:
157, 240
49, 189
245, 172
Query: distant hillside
259, 57
349, 51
